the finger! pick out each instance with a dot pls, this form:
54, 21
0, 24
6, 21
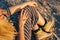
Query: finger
26, 13
21, 13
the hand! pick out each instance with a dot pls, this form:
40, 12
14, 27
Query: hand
34, 4
4, 12
23, 17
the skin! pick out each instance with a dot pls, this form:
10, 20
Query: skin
22, 21
40, 21
23, 18
16, 8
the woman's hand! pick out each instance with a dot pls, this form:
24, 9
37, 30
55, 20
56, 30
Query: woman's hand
34, 4
4, 12
23, 17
